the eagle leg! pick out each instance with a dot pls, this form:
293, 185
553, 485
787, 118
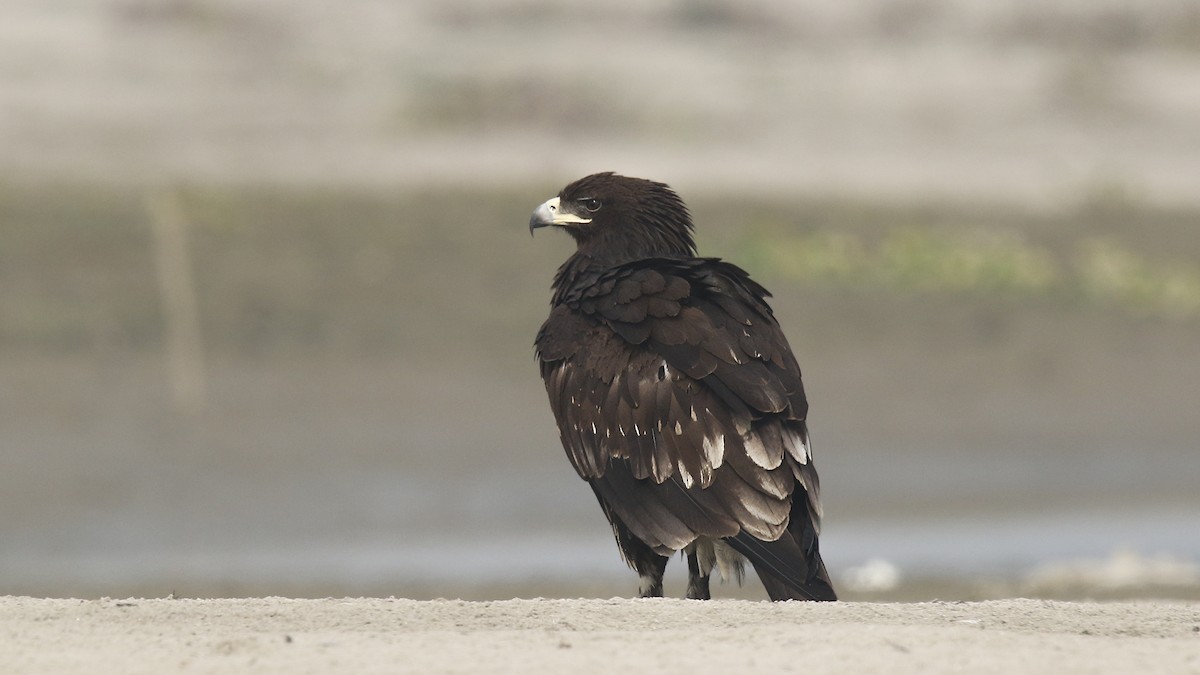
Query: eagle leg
652, 578
649, 565
647, 562
697, 588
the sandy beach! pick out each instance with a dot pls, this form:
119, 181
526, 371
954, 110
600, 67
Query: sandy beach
369, 635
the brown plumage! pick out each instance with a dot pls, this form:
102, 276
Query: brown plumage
676, 395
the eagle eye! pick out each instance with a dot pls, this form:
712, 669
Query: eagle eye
591, 204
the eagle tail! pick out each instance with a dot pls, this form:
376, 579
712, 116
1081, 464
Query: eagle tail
790, 567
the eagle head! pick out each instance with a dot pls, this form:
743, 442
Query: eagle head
616, 218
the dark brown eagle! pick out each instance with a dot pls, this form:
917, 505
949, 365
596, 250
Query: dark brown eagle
677, 396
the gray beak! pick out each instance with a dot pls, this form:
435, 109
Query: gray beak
551, 213
543, 216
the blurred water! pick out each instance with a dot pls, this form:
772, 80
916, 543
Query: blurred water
369, 532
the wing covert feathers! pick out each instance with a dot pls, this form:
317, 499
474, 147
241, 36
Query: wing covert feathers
678, 398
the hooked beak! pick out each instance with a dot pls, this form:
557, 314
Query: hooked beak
551, 213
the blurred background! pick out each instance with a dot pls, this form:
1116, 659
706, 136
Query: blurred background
267, 296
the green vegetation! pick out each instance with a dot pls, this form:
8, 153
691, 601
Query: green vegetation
1108, 273
986, 263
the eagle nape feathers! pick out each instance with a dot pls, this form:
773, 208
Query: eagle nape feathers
677, 396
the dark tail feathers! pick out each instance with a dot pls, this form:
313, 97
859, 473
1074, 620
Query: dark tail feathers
791, 567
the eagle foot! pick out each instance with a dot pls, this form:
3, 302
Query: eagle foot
697, 588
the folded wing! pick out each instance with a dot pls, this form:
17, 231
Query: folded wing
678, 398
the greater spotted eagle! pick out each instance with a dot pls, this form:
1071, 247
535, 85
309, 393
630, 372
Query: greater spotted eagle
676, 395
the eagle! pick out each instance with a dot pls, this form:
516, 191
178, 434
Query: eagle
677, 397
